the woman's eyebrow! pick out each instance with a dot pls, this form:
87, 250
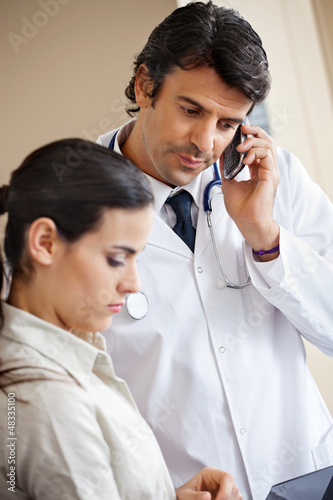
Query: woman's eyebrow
124, 248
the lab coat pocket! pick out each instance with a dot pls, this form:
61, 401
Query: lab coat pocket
323, 454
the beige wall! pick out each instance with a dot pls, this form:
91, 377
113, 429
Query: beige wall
323, 10
66, 77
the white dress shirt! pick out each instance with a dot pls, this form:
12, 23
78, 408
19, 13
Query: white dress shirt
78, 433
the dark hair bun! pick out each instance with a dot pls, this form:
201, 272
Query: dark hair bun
3, 199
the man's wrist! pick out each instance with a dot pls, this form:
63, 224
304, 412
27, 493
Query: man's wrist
266, 252
267, 255
269, 250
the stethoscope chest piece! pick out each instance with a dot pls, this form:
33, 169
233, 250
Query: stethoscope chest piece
137, 305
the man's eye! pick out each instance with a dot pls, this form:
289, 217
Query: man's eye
190, 111
227, 126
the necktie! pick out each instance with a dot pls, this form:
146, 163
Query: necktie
181, 205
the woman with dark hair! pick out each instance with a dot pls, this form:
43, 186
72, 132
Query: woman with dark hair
78, 215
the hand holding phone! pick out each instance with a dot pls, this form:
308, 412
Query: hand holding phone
233, 159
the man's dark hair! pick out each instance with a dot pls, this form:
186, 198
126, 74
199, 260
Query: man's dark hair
200, 35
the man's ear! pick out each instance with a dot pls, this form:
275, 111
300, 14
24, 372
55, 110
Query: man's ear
143, 86
43, 240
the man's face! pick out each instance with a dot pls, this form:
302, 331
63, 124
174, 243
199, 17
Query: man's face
188, 125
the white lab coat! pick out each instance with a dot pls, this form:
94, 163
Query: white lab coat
220, 374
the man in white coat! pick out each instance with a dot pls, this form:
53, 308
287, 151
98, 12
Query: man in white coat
220, 372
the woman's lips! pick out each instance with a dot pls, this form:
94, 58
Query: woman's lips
189, 161
115, 308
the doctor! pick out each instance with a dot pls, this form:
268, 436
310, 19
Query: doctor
220, 373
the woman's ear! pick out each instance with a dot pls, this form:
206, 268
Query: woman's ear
143, 85
43, 240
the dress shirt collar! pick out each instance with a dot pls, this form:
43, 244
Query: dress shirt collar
123, 134
77, 352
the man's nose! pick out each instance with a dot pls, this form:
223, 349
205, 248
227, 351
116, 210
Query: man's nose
203, 135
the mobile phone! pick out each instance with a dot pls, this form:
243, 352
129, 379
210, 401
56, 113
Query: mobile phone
233, 159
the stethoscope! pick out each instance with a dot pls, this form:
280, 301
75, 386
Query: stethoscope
137, 303
208, 209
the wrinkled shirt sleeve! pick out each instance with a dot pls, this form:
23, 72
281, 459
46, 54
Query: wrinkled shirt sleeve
59, 458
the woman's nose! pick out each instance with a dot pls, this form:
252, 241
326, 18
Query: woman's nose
130, 282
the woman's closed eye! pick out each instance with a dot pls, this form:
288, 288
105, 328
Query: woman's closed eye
116, 260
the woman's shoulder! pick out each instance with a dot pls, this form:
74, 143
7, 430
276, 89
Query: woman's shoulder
19, 361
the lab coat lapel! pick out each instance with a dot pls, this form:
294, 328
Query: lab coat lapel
162, 236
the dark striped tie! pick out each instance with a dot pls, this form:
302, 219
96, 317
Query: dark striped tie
181, 205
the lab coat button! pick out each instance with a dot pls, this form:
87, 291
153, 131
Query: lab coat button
222, 349
242, 431
200, 270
